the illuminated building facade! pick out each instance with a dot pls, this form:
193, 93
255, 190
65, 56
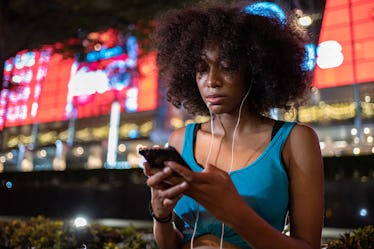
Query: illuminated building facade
341, 106
54, 111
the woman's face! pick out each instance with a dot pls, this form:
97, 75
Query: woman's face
222, 85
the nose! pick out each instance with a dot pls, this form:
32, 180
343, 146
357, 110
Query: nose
213, 80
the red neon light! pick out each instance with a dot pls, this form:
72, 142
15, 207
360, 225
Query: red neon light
52, 101
148, 82
336, 27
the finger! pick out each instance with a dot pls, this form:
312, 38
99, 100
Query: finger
163, 185
159, 177
174, 179
165, 200
171, 202
171, 196
183, 171
147, 169
174, 192
211, 169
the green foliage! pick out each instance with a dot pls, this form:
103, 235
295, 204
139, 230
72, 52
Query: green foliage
361, 238
43, 233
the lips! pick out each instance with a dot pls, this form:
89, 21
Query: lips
214, 99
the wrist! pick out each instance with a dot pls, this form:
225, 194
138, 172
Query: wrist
163, 220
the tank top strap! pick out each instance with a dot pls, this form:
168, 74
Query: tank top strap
189, 143
281, 136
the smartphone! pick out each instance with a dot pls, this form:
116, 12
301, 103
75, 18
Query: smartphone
156, 156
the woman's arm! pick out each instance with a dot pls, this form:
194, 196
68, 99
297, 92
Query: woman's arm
306, 177
163, 200
166, 235
304, 163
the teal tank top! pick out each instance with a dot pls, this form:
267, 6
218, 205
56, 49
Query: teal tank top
263, 184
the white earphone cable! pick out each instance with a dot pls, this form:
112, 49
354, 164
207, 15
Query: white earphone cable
206, 163
236, 129
232, 152
231, 164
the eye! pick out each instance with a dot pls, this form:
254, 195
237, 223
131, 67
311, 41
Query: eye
226, 66
201, 67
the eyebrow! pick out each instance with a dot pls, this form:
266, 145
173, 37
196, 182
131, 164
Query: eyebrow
204, 58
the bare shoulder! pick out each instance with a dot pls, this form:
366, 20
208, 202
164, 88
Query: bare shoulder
304, 133
302, 145
176, 138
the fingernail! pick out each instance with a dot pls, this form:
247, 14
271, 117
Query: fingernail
167, 170
167, 163
184, 184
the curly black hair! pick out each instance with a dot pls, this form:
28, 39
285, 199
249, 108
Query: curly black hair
271, 52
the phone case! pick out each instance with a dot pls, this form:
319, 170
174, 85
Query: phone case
156, 156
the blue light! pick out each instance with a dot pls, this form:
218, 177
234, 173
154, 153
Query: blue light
133, 134
132, 48
310, 57
8, 184
272, 10
363, 212
266, 9
8, 66
104, 54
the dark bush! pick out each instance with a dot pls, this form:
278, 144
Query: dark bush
361, 238
44, 233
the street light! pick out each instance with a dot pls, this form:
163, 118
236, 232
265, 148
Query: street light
80, 222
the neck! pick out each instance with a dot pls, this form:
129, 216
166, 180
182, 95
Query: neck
225, 124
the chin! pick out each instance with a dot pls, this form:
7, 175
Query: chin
217, 110
221, 109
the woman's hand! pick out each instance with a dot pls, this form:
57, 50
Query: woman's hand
166, 189
212, 188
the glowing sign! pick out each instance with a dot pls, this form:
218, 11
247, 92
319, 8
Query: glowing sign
41, 86
104, 54
23, 76
329, 54
310, 57
338, 62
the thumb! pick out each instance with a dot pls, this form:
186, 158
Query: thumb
210, 167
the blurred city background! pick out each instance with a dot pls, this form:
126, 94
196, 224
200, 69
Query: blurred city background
80, 94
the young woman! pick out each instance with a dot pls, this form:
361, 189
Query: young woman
247, 172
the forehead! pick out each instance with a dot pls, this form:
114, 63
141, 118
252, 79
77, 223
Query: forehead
210, 52
214, 52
